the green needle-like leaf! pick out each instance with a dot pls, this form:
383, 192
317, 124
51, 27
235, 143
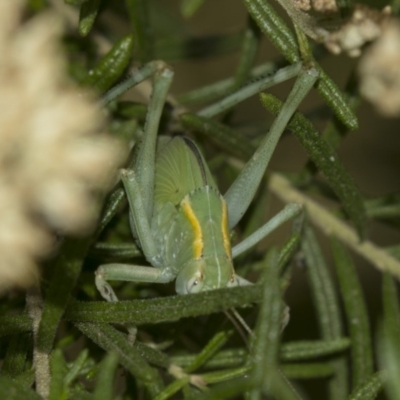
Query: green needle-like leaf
88, 14
189, 7
356, 312
138, 11
283, 38
15, 324
265, 349
66, 272
112, 340
105, 378
159, 310
225, 137
111, 66
15, 361
389, 342
12, 390
327, 161
306, 350
327, 306
216, 342
308, 370
59, 370
369, 389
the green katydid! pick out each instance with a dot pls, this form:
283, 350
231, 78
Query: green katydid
178, 216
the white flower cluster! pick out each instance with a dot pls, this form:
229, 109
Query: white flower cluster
364, 25
54, 158
379, 71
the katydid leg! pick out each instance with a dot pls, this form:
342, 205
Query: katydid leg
130, 273
126, 272
138, 76
249, 90
138, 216
242, 191
145, 162
290, 211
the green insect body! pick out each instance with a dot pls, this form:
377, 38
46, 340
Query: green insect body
177, 214
190, 219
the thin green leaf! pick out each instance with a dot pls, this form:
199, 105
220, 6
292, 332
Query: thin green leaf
27, 378
87, 16
389, 355
327, 161
134, 79
288, 250
111, 207
78, 394
356, 313
105, 378
110, 68
115, 250
195, 48
74, 2
308, 370
391, 305
394, 251
152, 355
384, 207
281, 388
335, 130
265, 348
173, 388
291, 351
225, 375
227, 390
142, 30
75, 368
249, 90
15, 360
189, 7
112, 340
221, 88
327, 306
310, 349
369, 389
58, 387
14, 324
164, 309
67, 268
223, 136
282, 37
272, 25
216, 342
389, 343
250, 45
11, 390
224, 359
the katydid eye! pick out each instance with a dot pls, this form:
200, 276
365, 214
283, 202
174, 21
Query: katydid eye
194, 285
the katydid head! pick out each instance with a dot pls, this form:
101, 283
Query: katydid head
206, 273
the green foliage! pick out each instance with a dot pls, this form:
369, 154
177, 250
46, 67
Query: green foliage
186, 347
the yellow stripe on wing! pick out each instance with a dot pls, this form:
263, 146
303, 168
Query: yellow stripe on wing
225, 231
198, 243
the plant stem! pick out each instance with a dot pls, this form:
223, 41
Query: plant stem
333, 226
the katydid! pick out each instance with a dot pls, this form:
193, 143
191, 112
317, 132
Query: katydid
179, 218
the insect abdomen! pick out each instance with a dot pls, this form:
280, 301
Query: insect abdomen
201, 228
